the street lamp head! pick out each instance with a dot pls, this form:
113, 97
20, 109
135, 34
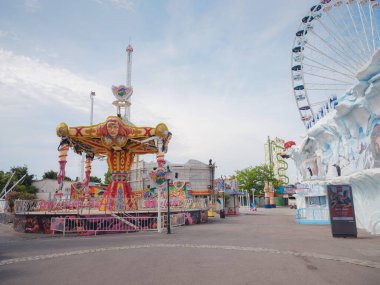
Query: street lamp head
168, 174
92, 93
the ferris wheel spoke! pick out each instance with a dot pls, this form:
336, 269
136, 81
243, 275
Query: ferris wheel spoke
349, 32
328, 68
343, 43
342, 65
320, 103
376, 27
356, 29
370, 12
327, 84
351, 35
363, 26
337, 51
328, 89
329, 78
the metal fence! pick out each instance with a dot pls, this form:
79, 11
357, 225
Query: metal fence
120, 223
312, 216
92, 206
3, 206
176, 220
26, 206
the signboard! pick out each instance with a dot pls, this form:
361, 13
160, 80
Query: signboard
342, 213
158, 176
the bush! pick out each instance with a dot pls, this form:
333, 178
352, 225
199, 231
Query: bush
12, 196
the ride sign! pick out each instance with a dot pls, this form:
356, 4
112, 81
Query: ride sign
158, 175
342, 213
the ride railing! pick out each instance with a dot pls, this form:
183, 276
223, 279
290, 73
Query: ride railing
112, 205
175, 203
3, 206
312, 214
176, 220
47, 206
113, 224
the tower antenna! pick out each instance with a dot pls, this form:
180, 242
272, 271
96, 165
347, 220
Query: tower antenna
123, 93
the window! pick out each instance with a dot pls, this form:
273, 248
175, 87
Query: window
316, 201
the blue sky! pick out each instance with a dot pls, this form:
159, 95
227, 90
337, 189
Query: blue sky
216, 72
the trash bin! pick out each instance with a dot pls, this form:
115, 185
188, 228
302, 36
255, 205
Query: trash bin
222, 214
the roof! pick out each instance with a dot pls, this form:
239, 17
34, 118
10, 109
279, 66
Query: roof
200, 192
195, 162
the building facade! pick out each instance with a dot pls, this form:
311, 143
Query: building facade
197, 175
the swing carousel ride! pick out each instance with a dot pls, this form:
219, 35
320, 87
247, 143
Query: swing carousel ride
117, 140
118, 210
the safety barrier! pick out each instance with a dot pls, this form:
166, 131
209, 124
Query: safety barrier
312, 216
26, 206
176, 220
119, 223
92, 206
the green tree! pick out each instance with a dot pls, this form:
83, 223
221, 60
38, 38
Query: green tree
24, 190
26, 185
95, 179
51, 174
12, 196
20, 171
107, 177
4, 176
255, 178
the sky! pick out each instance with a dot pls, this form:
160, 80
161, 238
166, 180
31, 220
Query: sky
217, 73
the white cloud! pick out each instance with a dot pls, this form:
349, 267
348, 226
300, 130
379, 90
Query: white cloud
8, 34
34, 98
123, 4
29, 81
32, 5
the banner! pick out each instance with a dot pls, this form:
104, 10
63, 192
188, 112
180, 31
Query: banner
342, 214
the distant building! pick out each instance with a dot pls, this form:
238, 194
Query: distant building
48, 187
198, 175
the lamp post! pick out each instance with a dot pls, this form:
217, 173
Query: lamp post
222, 212
168, 177
224, 188
212, 167
92, 95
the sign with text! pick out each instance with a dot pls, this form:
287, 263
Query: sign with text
342, 213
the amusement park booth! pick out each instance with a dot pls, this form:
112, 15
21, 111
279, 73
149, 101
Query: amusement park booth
232, 202
311, 201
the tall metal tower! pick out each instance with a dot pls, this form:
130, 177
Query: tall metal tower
129, 51
123, 93
273, 151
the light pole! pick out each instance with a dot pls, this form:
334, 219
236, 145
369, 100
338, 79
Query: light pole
92, 95
222, 212
168, 177
212, 167
224, 189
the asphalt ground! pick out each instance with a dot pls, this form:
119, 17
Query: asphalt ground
264, 247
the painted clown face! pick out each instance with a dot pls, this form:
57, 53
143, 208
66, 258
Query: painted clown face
113, 129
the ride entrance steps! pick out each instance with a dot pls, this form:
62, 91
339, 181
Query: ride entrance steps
123, 218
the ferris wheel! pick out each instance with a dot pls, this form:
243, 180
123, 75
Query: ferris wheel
334, 41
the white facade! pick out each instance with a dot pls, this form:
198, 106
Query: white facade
48, 187
197, 173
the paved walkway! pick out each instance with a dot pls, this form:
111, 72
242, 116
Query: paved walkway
265, 247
